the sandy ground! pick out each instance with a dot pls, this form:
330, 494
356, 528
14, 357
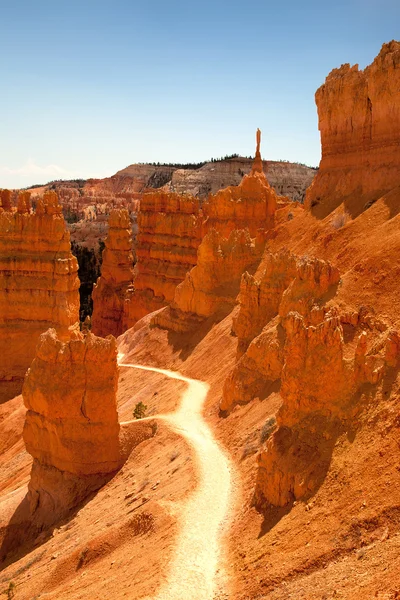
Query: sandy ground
196, 570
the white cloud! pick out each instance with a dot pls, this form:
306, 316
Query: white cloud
31, 169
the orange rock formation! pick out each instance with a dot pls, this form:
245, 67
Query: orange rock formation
38, 283
359, 121
114, 285
282, 285
212, 285
167, 242
251, 204
170, 230
71, 426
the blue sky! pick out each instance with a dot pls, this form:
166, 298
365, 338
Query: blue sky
89, 87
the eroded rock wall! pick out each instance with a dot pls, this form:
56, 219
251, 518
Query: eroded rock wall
359, 121
115, 284
317, 357
38, 284
212, 285
282, 284
251, 204
168, 237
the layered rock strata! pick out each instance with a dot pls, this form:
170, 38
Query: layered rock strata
171, 228
287, 179
282, 283
322, 383
38, 284
114, 286
71, 428
168, 237
359, 121
251, 204
212, 285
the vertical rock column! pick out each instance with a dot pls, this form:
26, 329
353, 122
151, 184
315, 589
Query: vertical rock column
38, 283
71, 426
114, 285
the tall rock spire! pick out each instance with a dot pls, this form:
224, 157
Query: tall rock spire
257, 163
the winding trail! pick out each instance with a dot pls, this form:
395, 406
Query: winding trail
195, 564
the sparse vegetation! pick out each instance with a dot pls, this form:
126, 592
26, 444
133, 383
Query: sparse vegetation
140, 411
82, 557
174, 456
267, 429
10, 591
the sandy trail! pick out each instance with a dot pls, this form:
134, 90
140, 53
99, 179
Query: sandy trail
196, 563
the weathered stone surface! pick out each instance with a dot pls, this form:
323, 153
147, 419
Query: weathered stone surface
251, 204
359, 121
115, 285
212, 285
287, 179
71, 426
223, 255
261, 295
38, 284
168, 238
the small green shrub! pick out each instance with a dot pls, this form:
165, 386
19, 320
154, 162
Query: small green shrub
140, 411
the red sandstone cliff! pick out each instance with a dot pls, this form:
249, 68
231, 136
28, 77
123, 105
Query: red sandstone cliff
38, 283
114, 285
359, 121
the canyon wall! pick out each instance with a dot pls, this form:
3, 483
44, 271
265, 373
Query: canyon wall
38, 284
114, 285
287, 179
168, 237
71, 428
359, 121
251, 204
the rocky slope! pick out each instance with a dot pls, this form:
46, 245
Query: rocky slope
287, 179
114, 286
38, 283
359, 121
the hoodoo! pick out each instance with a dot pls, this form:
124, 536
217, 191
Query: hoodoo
236, 220
359, 121
38, 282
211, 286
114, 286
251, 204
71, 426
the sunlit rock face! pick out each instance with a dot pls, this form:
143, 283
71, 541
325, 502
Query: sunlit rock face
211, 287
39, 285
359, 121
168, 238
71, 428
